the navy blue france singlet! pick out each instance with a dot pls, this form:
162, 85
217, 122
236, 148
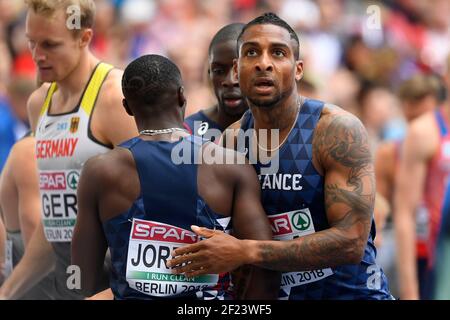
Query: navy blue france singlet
293, 198
159, 220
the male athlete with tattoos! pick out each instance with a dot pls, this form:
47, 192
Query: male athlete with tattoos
320, 201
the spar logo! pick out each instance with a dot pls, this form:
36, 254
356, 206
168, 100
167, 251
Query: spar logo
280, 224
154, 231
291, 223
72, 179
301, 220
52, 181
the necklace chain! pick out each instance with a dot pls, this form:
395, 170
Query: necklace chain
285, 138
154, 132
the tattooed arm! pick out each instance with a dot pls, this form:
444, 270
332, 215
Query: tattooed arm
341, 148
341, 151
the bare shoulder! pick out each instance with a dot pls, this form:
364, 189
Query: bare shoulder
423, 135
107, 167
35, 103
110, 95
332, 113
36, 99
424, 122
23, 162
23, 152
335, 121
114, 77
112, 86
111, 124
340, 137
116, 74
109, 181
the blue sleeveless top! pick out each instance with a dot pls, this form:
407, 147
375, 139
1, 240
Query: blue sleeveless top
293, 198
142, 238
199, 124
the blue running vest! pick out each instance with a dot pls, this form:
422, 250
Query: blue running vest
293, 198
141, 239
202, 120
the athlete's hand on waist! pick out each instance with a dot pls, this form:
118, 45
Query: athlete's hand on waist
218, 253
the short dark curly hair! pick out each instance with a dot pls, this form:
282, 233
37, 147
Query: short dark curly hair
147, 78
272, 18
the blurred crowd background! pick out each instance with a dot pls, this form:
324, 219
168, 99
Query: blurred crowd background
356, 53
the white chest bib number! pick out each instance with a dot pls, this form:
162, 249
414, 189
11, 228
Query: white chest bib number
59, 203
148, 251
288, 226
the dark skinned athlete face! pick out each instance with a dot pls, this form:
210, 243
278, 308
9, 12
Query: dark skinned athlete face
267, 67
226, 87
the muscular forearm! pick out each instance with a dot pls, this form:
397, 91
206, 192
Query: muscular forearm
36, 263
328, 248
406, 255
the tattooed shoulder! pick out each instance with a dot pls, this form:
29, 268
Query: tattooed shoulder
341, 143
341, 137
